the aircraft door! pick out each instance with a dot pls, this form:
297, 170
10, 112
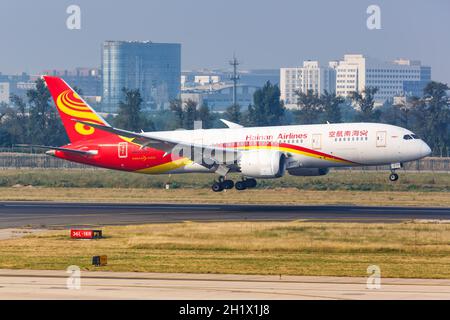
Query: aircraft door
317, 141
122, 149
381, 138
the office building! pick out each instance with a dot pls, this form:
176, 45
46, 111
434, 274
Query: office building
254, 78
19, 84
215, 87
219, 96
310, 77
4, 92
399, 77
87, 79
153, 68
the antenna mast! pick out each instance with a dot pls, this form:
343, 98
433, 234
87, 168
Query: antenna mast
235, 77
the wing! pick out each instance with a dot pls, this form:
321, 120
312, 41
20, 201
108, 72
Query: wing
208, 156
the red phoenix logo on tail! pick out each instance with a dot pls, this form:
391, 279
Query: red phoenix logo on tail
72, 107
70, 104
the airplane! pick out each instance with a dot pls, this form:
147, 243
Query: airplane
253, 152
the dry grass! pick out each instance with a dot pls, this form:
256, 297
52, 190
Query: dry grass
289, 248
348, 180
343, 187
256, 196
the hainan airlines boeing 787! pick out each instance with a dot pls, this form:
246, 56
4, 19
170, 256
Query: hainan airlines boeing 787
257, 152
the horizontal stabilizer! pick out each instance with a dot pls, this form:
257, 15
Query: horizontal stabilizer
81, 152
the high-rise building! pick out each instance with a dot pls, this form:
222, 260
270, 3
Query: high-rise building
153, 68
310, 77
399, 77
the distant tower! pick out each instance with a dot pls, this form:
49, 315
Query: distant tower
234, 77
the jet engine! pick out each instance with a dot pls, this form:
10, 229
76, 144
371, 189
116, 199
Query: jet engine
262, 164
308, 172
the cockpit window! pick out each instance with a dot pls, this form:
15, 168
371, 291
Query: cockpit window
410, 136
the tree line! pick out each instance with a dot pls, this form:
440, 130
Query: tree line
34, 120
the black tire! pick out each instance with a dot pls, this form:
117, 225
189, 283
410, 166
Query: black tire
217, 187
250, 183
393, 177
228, 184
240, 185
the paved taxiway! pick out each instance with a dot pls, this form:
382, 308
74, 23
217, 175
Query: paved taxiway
51, 214
38, 284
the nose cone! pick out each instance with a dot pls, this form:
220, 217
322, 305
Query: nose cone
426, 151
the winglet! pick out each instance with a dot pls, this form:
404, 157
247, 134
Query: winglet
231, 125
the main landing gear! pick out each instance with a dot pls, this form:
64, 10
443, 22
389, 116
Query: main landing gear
229, 184
222, 184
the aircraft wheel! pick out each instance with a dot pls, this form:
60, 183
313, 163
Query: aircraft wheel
393, 177
240, 185
217, 187
250, 183
228, 184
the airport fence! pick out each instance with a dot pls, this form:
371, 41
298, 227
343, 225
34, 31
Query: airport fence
16, 160
12, 160
433, 164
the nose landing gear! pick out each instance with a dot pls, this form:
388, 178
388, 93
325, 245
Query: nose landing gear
393, 176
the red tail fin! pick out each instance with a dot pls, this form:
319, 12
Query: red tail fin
71, 106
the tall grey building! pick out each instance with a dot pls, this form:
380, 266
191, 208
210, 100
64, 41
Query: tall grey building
153, 68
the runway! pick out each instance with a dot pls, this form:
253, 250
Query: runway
38, 284
54, 214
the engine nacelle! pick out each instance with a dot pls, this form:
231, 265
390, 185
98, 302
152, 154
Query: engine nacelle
262, 163
308, 172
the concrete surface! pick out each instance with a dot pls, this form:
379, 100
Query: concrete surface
54, 214
34, 284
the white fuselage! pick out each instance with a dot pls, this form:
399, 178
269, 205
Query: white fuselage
314, 146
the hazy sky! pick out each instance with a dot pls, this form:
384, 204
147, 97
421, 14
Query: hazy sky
263, 33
